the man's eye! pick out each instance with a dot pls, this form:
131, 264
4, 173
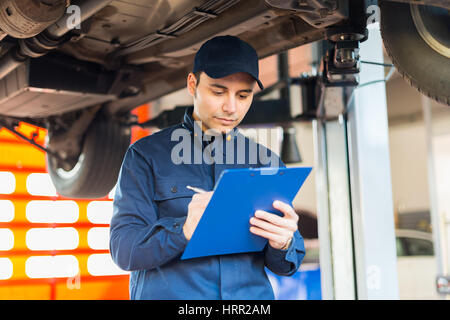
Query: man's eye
243, 97
218, 93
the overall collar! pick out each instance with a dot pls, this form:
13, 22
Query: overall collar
194, 128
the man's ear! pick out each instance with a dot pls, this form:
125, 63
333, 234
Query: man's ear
191, 83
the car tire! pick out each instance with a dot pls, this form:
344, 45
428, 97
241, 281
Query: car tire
409, 44
96, 171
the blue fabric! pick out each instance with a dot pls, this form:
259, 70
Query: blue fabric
150, 207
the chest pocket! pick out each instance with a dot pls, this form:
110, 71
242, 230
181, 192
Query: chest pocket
172, 197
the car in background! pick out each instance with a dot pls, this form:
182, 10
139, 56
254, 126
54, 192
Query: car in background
416, 267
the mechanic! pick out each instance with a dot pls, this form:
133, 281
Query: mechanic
155, 215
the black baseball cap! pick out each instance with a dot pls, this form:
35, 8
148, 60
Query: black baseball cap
225, 55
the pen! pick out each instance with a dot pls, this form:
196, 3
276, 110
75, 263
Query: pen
198, 190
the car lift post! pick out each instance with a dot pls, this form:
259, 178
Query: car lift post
353, 181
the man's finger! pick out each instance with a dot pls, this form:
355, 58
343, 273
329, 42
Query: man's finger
203, 196
275, 219
208, 195
270, 227
268, 235
285, 208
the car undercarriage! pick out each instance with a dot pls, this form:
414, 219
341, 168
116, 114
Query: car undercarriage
78, 68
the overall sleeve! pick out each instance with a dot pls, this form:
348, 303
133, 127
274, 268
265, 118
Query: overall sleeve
284, 262
138, 239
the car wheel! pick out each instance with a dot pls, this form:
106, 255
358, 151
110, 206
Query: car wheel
416, 37
98, 165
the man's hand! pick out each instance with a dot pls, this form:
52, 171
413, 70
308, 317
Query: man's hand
278, 230
195, 211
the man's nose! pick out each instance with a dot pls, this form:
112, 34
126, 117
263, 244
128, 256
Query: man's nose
230, 105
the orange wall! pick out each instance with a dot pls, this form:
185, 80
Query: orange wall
21, 158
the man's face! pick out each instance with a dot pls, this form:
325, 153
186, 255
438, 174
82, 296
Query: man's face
221, 104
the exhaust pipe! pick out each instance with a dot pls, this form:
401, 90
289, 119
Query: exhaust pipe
87, 10
48, 40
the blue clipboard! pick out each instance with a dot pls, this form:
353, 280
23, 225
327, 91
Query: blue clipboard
224, 226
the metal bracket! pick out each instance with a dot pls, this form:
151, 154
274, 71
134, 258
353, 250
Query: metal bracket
317, 13
166, 35
67, 144
204, 13
341, 62
11, 126
340, 76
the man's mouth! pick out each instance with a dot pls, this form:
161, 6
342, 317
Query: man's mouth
225, 120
